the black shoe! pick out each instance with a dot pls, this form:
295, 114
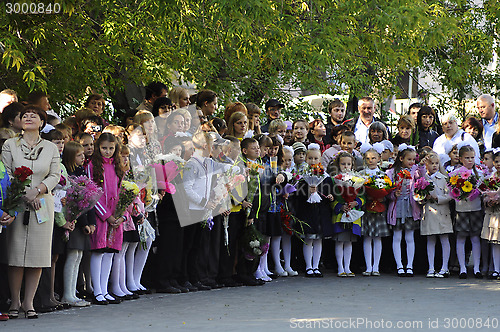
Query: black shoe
229, 282
175, 284
310, 275
202, 287
250, 281
95, 301
212, 284
189, 286
30, 314
134, 296
317, 273
169, 289
273, 276
478, 275
114, 301
462, 275
260, 282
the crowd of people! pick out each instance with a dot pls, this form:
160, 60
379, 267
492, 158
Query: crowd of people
227, 201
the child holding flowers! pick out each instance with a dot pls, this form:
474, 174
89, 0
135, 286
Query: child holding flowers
491, 224
346, 200
436, 215
73, 159
374, 222
316, 214
106, 171
403, 212
470, 216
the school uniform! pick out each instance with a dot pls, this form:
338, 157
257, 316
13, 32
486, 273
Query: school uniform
436, 216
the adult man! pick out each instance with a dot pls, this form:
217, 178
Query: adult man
360, 125
154, 91
454, 135
486, 108
413, 111
7, 97
41, 99
273, 110
336, 109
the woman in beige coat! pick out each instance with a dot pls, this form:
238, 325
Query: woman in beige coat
436, 217
29, 239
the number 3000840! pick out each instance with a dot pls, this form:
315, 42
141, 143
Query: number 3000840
32, 8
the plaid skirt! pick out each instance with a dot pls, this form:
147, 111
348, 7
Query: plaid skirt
407, 225
469, 223
375, 225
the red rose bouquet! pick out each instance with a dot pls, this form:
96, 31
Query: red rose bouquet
17, 189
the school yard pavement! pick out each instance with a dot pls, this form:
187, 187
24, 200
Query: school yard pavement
330, 303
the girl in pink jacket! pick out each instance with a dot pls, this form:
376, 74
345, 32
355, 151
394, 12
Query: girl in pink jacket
403, 212
106, 171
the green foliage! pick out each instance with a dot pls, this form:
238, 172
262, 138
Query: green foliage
249, 50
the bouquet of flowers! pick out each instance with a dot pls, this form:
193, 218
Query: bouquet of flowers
254, 171
402, 175
376, 188
490, 189
12, 204
314, 175
128, 193
253, 243
291, 224
294, 178
350, 185
462, 184
423, 188
81, 197
167, 167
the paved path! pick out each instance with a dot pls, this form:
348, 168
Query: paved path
294, 304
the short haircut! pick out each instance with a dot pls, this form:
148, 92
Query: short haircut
449, 117
487, 98
335, 103
347, 134
53, 135
252, 109
37, 110
143, 116
247, 141
92, 119
406, 121
414, 105
159, 103
275, 125
154, 88
232, 139
377, 125
10, 112
94, 96
365, 100
264, 140
205, 96
35, 96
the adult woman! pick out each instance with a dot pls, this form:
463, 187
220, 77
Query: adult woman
426, 119
253, 118
377, 132
317, 131
174, 124
474, 127
179, 96
187, 120
153, 146
29, 240
237, 125
97, 103
233, 108
206, 101
162, 108
10, 117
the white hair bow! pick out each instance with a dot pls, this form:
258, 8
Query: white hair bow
365, 147
313, 146
404, 146
288, 148
462, 144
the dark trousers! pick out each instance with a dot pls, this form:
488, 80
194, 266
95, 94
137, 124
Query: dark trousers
228, 255
170, 250
208, 259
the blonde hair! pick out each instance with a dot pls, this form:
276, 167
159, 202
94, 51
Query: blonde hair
143, 116
175, 94
406, 121
275, 125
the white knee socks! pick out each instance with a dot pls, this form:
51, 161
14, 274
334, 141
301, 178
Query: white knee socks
118, 272
495, 248
377, 253
129, 266
141, 256
107, 261
445, 245
461, 253
275, 252
396, 247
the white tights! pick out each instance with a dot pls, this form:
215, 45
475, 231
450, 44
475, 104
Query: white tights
129, 266
343, 252
377, 252
100, 268
286, 244
275, 252
141, 255
410, 248
476, 252
312, 253
71, 267
495, 248
431, 251
118, 286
